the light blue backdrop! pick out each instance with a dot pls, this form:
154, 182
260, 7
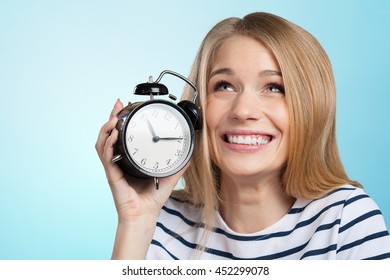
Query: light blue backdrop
64, 63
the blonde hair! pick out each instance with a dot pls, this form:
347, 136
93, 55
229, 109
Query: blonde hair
313, 167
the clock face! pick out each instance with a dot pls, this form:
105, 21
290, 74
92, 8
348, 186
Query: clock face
158, 139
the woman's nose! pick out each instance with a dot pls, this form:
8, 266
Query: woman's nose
246, 106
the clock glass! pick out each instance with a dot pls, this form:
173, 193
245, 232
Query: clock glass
159, 139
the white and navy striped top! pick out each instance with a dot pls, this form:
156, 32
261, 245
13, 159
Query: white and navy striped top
346, 224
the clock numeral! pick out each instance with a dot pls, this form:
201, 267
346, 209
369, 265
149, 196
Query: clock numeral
168, 161
177, 125
155, 113
135, 151
130, 138
180, 139
155, 166
178, 153
144, 117
143, 161
132, 124
168, 116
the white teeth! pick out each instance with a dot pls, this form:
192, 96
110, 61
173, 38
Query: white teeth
247, 140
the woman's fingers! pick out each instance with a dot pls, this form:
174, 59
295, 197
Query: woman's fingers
107, 128
103, 136
108, 150
118, 106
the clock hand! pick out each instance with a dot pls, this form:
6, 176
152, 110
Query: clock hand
152, 130
157, 138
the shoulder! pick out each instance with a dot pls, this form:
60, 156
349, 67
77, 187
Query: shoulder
362, 230
341, 198
345, 193
354, 220
352, 205
333, 203
353, 201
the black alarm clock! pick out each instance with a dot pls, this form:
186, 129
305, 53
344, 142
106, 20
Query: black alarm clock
157, 137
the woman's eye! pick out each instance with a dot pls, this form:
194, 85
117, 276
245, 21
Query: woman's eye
223, 86
275, 88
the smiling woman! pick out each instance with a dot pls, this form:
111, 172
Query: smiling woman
245, 102
266, 180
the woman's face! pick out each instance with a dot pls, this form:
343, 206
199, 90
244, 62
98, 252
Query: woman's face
246, 111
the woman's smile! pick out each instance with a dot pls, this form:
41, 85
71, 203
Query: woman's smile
253, 139
246, 141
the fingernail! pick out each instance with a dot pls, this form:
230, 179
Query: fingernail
117, 102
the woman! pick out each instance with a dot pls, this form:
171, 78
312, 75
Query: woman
266, 180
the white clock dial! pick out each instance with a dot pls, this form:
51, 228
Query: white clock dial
158, 139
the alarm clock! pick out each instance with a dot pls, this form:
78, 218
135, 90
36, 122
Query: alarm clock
157, 137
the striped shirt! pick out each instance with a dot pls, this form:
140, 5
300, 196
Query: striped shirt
345, 224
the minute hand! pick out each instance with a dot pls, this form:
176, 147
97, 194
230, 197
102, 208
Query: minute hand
157, 138
151, 129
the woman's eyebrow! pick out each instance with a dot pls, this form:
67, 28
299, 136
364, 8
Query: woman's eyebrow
229, 71
270, 73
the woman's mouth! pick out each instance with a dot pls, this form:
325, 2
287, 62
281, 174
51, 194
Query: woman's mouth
247, 139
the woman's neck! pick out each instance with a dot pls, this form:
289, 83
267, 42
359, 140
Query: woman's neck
248, 205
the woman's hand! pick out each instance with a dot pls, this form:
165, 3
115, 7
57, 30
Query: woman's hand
136, 200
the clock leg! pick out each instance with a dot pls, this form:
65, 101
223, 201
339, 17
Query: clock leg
156, 183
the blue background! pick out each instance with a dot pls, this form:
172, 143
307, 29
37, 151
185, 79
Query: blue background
64, 63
